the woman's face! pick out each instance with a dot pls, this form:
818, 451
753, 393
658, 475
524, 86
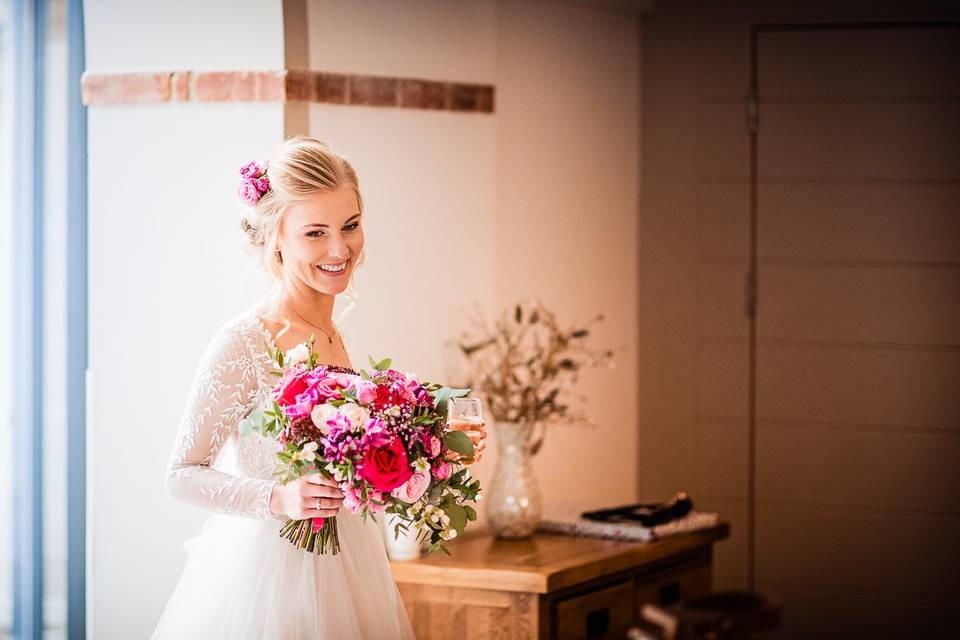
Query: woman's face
323, 231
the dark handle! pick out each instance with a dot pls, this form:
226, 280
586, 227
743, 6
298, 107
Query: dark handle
598, 623
669, 593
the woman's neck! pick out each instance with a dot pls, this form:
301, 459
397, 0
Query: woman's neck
305, 303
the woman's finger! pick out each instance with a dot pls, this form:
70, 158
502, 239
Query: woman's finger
321, 491
321, 503
318, 478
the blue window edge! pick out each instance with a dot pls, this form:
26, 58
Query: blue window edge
77, 352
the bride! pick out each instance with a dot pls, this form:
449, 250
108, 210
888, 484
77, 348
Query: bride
242, 580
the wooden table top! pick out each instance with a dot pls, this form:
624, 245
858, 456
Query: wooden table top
544, 563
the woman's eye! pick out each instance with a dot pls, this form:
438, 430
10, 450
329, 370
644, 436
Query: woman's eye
315, 234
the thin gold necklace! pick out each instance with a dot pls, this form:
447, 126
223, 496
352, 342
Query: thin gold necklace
329, 337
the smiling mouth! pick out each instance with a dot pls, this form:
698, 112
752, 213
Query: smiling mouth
335, 269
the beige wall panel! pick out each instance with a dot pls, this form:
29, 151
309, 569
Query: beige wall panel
723, 50
910, 471
723, 212
722, 380
723, 301
730, 556
906, 222
865, 386
918, 306
722, 461
668, 268
723, 144
915, 140
877, 553
846, 64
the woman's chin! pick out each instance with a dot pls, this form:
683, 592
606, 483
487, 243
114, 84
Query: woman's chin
331, 285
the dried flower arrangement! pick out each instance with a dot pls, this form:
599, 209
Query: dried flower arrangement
524, 367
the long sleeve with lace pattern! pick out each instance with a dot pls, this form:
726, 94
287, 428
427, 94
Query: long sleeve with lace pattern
223, 392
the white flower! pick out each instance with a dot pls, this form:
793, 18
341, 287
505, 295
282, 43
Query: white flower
422, 465
299, 353
479, 497
308, 452
320, 414
356, 415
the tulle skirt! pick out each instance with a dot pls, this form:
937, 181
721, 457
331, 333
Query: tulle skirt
243, 581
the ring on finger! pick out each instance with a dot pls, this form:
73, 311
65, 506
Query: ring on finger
318, 504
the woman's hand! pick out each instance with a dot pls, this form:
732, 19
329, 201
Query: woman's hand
298, 498
478, 436
479, 439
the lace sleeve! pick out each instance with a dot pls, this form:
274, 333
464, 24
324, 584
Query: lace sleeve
223, 392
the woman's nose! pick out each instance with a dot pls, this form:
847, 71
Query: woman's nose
338, 247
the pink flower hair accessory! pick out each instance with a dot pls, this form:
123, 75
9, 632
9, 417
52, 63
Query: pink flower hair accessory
255, 182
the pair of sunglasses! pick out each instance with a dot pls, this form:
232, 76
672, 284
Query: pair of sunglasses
649, 515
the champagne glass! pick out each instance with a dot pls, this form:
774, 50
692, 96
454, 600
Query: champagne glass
466, 414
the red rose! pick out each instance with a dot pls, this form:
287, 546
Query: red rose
294, 383
386, 467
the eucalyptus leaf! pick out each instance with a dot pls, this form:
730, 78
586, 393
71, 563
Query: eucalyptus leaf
460, 442
443, 394
458, 517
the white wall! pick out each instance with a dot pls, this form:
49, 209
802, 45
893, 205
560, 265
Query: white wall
567, 218
162, 182
428, 177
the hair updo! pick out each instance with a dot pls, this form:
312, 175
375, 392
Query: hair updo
300, 167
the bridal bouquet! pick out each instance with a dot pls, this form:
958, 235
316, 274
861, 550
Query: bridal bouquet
381, 435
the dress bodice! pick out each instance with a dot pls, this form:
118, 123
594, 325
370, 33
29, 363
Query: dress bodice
211, 465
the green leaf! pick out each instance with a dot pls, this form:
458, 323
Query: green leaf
460, 442
458, 517
471, 513
443, 394
383, 365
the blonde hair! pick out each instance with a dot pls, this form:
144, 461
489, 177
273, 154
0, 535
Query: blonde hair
299, 168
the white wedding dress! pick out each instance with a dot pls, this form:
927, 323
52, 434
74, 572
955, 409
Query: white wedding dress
242, 580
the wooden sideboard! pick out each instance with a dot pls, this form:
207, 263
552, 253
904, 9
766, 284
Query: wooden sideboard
551, 586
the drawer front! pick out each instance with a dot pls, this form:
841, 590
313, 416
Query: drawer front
670, 586
605, 613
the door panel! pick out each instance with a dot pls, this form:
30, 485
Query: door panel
858, 348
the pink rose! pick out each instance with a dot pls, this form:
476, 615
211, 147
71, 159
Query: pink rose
263, 184
320, 387
352, 500
441, 469
413, 488
366, 391
431, 444
248, 191
250, 170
